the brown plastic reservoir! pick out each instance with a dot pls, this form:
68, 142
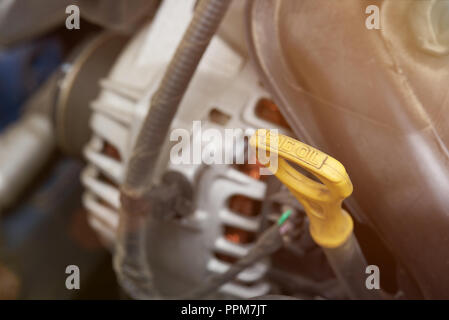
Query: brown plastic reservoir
377, 100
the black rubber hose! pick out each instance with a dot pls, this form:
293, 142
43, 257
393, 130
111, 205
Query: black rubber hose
130, 260
164, 104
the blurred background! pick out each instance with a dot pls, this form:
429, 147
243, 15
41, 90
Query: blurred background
47, 229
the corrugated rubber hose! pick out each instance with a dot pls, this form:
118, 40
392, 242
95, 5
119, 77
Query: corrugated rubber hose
130, 259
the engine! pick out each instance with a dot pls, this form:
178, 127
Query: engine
217, 141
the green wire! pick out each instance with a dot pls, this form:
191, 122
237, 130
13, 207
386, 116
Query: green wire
284, 217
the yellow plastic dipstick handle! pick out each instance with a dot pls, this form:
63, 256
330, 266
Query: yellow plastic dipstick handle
330, 224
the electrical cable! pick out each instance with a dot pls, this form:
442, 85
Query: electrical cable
269, 242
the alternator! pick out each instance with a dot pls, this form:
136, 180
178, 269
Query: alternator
226, 198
